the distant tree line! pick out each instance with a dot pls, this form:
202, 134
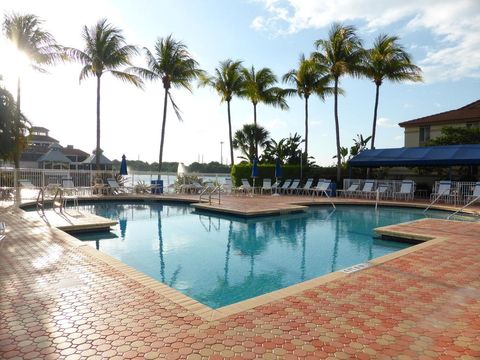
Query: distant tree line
213, 167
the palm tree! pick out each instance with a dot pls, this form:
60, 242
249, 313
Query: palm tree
38, 45
228, 81
105, 51
173, 65
310, 78
341, 53
259, 88
13, 127
248, 138
388, 60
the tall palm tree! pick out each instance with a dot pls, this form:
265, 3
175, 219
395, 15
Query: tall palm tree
38, 45
388, 60
309, 78
171, 63
341, 53
227, 81
105, 52
259, 88
13, 128
247, 139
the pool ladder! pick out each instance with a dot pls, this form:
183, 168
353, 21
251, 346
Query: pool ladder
209, 191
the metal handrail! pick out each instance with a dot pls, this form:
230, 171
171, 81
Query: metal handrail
463, 208
435, 200
210, 191
41, 200
58, 199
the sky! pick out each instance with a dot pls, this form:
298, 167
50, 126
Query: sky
443, 37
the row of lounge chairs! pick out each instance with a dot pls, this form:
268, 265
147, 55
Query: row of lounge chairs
109, 187
446, 193
382, 191
288, 187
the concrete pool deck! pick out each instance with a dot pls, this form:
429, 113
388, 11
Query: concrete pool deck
60, 298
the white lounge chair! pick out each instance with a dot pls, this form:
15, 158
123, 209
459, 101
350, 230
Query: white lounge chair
293, 187
443, 192
267, 186
475, 195
366, 189
351, 190
285, 185
26, 184
306, 187
407, 189
322, 187
227, 186
114, 187
245, 187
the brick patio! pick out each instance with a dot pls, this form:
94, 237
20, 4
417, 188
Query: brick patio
59, 300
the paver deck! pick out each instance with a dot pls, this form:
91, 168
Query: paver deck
58, 299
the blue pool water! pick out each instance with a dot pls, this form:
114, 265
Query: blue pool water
220, 260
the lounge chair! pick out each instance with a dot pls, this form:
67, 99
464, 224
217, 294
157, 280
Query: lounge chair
245, 187
382, 191
293, 187
275, 187
114, 187
70, 192
306, 187
227, 186
322, 187
366, 189
285, 185
443, 192
351, 190
406, 192
475, 195
267, 186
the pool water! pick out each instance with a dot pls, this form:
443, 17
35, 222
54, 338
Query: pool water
219, 260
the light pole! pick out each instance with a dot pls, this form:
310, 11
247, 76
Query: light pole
221, 152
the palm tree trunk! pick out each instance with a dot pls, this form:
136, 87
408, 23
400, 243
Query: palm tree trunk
306, 128
160, 155
97, 151
16, 154
230, 134
255, 123
337, 130
375, 116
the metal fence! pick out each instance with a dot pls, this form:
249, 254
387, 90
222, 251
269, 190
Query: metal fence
460, 191
393, 185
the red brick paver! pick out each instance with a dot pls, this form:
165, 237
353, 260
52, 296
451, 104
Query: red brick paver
58, 301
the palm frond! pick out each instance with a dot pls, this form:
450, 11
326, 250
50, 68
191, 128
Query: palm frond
175, 108
129, 78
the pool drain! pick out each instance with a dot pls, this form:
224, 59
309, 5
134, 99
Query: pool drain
355, 268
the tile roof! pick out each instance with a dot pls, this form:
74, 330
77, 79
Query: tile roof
470, 112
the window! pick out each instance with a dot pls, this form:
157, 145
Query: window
424, 134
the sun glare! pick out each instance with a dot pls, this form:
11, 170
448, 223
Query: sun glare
12, 62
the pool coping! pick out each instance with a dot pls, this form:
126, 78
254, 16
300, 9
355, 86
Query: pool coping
209, 314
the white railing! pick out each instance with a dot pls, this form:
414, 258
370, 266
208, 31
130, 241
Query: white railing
460, 191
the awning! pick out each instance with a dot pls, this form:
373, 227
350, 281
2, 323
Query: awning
450, 155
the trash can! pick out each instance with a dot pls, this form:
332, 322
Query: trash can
157, 186
332, 190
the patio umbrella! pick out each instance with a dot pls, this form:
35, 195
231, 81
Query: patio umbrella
123, 166
254, 171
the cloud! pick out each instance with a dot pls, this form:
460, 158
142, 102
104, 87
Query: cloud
385, 123
454, 27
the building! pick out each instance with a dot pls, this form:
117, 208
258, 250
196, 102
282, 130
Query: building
419, 131
45, 152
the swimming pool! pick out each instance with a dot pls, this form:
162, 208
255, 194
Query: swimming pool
219, 260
